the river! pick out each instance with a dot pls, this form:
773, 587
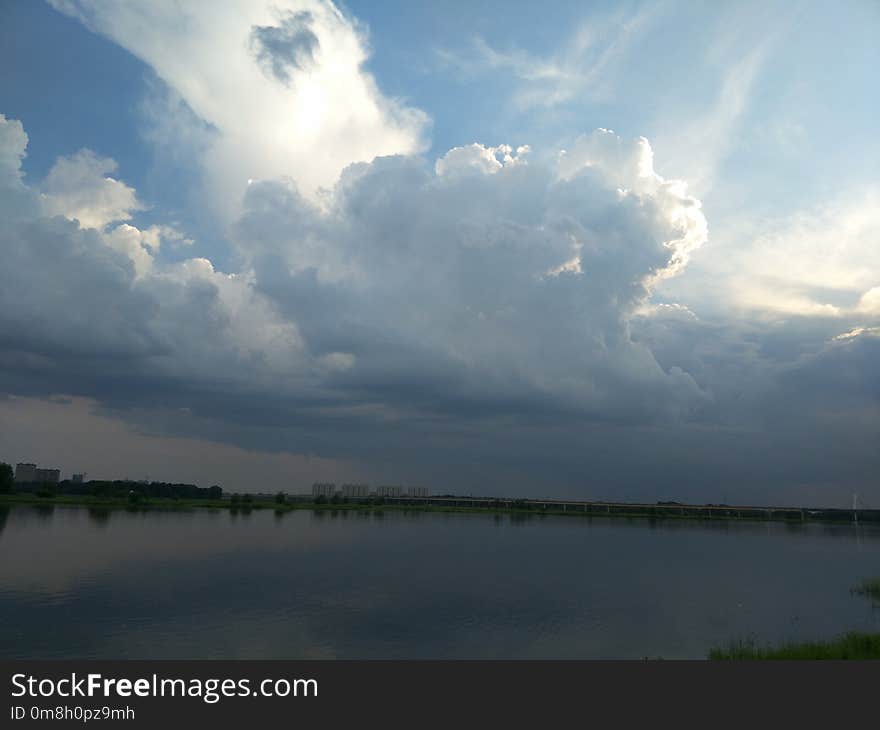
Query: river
83, 583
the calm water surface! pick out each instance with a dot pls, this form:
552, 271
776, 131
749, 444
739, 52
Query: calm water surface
210, 584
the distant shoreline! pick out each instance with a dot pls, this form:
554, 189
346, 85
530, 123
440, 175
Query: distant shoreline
470, 505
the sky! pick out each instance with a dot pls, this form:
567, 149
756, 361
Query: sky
590, 250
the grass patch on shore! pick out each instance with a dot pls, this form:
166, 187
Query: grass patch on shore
868, 589
853, 645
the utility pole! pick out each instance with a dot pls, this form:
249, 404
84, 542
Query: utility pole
855, 509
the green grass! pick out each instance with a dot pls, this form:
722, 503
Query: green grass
868, 589
853, 645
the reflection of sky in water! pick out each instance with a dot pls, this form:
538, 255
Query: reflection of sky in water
212, 584
66, 545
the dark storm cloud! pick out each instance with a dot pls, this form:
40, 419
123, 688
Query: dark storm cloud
72, 296
487, 322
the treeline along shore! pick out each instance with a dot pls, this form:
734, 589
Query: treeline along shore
119, 489
163, 495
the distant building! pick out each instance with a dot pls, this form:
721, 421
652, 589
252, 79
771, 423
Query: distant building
48, 476
25, 473
387, 491
77, 478
323, 489
416, 492
32, 474
355, 490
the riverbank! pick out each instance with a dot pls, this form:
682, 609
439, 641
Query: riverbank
466, 505
853, 645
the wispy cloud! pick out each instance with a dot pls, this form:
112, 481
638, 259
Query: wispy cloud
697, 135
580, 67
698, 145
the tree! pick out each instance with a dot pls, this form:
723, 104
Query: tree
281, 498
215, 492
6, 478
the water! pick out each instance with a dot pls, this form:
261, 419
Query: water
79, 583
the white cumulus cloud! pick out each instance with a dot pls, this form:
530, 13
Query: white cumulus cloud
484, 280
80, 187
282, 83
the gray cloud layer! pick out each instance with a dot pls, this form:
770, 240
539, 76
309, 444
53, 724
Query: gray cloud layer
486, 322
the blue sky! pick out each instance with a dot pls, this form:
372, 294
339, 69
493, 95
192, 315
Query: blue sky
819, 61
398, 297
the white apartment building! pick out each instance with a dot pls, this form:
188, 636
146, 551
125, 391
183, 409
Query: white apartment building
323, 489
31, 473
355, 490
